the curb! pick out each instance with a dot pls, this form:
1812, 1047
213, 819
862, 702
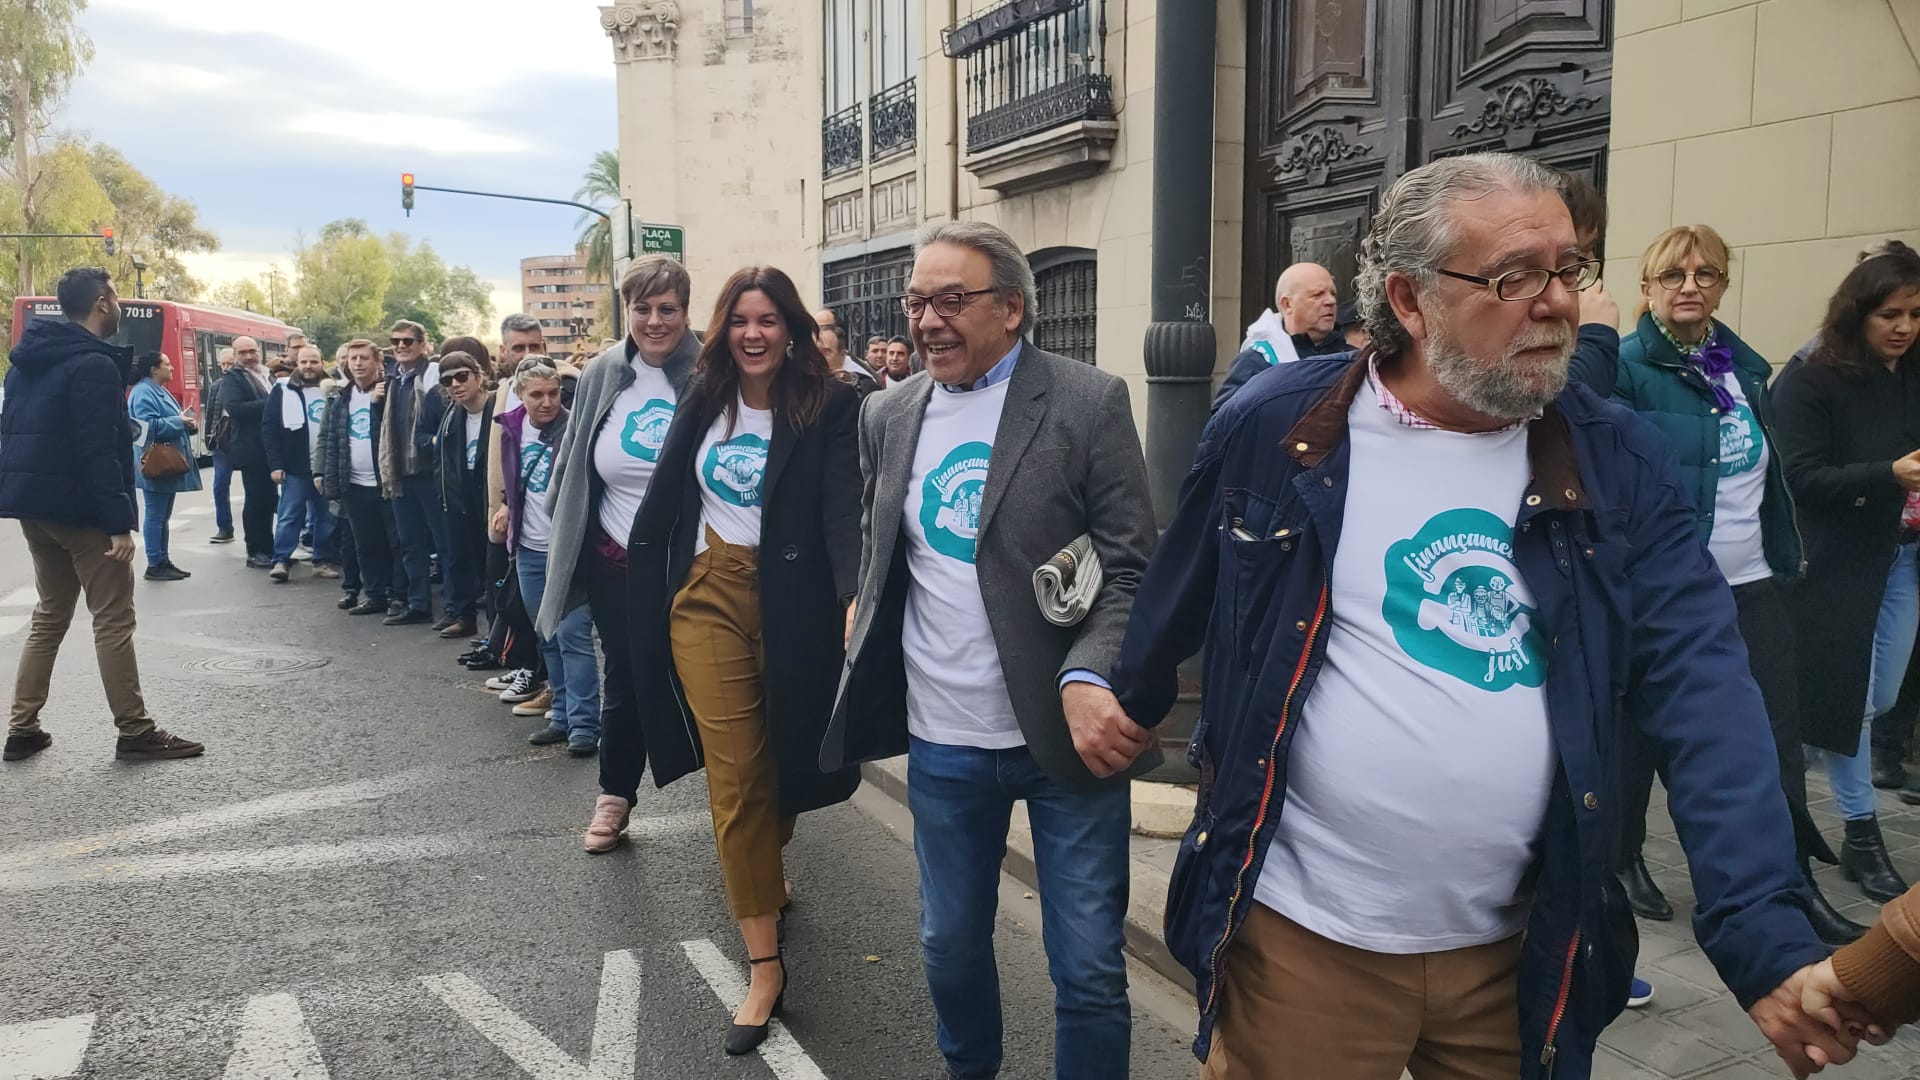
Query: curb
1147, 894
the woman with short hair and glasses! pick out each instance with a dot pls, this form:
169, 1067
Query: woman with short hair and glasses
1706, 391
462, 443
1850, 434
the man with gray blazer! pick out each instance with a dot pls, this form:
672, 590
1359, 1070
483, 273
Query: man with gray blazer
979, 469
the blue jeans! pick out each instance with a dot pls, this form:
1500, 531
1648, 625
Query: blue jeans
222, 492
153, 527
421, 526
302, 508
1893, 637
573, 672
962, 799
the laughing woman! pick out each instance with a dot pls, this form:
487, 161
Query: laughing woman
744, 558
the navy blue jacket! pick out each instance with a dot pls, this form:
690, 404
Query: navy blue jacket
1595, 356
290, 451
66, 445
1628, 595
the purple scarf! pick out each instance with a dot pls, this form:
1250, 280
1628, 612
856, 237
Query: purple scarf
1716, 360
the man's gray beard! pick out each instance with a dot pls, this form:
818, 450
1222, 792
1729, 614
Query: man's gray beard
1498, 389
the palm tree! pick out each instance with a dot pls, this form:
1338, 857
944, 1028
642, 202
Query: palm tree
599, 187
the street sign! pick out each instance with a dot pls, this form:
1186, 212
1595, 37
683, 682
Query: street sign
664, 240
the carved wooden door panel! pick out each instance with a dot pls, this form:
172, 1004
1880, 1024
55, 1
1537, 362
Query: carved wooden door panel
1345, 95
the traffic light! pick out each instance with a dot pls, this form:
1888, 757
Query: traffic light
107, 235
406, 193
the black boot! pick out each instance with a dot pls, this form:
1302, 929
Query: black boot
1910, 794
1834, 928
1864, 861
1643, 896
1889, 771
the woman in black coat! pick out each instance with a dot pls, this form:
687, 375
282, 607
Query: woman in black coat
1848, 418
744, 557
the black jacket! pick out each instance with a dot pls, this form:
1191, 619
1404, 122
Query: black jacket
66, 444
289, 451
1839, 434
461, 487
243, 402
336, 455
808, 572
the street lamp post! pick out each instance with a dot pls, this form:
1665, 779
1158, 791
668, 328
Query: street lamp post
139, 268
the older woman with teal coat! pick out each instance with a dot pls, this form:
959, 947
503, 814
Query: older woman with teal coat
158, 418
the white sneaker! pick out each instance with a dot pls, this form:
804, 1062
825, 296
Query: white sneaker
503, 680
304, 554
549, 714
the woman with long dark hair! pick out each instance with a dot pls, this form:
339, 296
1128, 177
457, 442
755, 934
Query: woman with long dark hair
1849, 430
744, 558
161, 422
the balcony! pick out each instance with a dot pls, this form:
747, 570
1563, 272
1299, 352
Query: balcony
894, 113
1038, 96
842, 142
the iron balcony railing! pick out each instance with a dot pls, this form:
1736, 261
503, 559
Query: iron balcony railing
841, 141
894, 115
1032, 65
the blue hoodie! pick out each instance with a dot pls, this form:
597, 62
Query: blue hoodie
66, 445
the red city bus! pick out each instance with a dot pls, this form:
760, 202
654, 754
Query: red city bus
192, 335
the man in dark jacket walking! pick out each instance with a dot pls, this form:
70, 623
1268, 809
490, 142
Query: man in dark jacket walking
290, 432
243, 396
1427, 580
66, 473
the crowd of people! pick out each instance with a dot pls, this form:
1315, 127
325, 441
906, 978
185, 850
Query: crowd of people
1457, 610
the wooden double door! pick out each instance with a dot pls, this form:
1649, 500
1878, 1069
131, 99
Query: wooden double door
1346, 95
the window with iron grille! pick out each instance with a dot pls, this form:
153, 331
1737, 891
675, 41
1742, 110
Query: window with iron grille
1066, 287
864, 294
739, 18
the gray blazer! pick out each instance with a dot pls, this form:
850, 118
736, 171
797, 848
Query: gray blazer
574, 502
1066, 460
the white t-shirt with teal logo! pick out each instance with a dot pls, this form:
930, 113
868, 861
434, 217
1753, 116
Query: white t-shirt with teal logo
732, 471
473, 440
360, 462
536, 475
315, 401
956, 692
628, 445
1735, 541
1422, 760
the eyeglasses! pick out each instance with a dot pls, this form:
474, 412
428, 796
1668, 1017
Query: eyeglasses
946, 305
1527, 284
1675, 279
403, 340
455, 378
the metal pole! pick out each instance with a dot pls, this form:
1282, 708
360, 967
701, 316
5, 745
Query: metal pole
1180, 340
613, 287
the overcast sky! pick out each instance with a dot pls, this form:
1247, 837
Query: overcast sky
276, 118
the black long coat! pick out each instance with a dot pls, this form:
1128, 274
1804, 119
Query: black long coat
1839, 434
808, 571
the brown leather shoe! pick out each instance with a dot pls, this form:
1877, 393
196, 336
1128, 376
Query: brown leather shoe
155, 745
458, 628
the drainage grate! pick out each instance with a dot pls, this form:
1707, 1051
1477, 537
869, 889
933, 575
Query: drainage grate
256, 663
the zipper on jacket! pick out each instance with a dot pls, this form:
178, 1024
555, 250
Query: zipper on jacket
1549, 1052
1266, 795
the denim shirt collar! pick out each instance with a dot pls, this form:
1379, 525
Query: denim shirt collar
1000, 372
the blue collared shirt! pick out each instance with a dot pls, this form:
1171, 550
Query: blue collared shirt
1000, 372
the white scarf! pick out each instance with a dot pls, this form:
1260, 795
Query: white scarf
293, 406
1270, 329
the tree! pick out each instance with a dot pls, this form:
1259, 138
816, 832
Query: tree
70, 202
40, 52
148, 221
343, 278
599, 187
424, 289
247, 294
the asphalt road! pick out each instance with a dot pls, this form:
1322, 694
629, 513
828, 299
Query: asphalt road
371, 874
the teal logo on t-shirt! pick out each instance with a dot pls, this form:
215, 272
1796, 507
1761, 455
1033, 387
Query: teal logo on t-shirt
733, 469
473, 452
1456, 604
538, 469
950, 501
316, 409
1740, 440
360, 424
646, 430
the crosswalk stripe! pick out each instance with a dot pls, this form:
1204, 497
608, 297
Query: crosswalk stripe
782, 1052
44, 1049
24, 596
275, 1043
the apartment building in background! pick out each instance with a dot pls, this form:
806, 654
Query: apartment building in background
571, 309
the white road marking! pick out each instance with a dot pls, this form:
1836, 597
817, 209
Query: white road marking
782, 1052
275, 1043
43, 1049
13, 623
616, 1028
24, 596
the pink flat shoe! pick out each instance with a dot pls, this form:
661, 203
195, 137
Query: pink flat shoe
609, 826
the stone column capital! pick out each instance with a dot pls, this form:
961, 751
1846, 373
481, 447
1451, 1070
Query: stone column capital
642, 29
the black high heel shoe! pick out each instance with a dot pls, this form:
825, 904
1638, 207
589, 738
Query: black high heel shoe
746, 1038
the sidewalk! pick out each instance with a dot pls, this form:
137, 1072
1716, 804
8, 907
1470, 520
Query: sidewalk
1693, 1030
